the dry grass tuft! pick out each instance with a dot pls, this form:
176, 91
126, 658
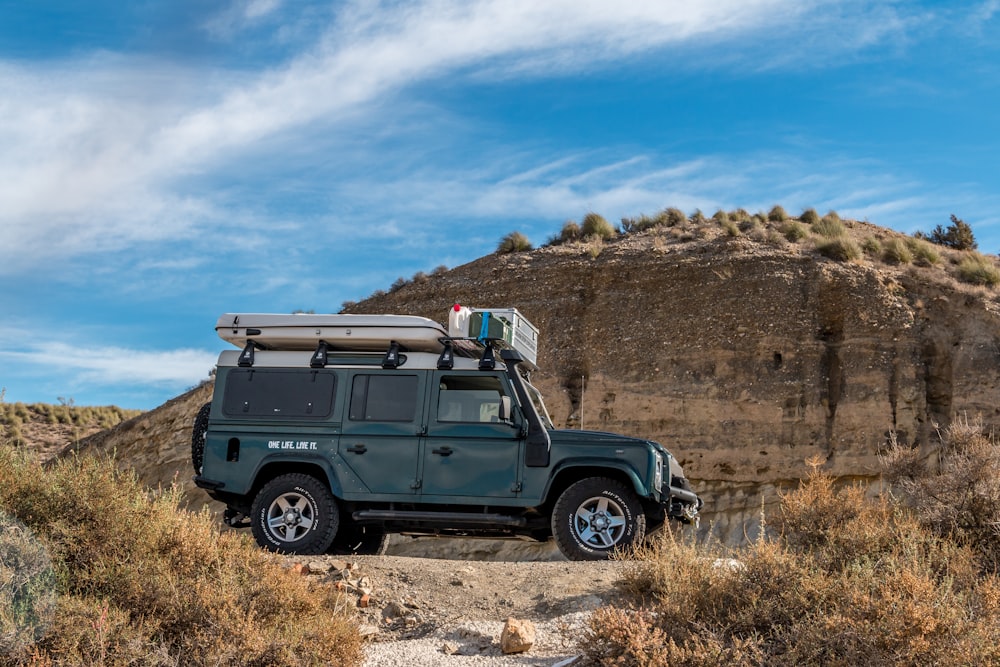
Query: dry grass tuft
140, 581
848, 581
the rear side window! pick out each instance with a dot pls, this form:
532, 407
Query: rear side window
384, 398
279, 394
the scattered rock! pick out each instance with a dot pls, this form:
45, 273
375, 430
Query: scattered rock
449, 648
393, 610
367, 631
518, 636
318, 566
300, 569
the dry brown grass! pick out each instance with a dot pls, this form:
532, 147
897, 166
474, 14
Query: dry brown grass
847, 581
140, 581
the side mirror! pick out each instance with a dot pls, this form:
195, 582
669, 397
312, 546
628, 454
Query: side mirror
505, 406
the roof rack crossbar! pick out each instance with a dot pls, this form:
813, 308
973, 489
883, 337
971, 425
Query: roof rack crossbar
391, 359
319, 357
246, 356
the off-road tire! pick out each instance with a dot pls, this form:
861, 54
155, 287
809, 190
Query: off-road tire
355, 540
295, 514
198, 438
597, 517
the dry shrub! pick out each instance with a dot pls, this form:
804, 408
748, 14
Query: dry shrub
847, 581
956, 493
841, 248
896, 251
142, 582
978, 269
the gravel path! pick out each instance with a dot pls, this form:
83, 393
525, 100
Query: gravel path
437, 612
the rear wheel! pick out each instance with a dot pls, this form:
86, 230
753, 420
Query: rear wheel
295, 514
597, 517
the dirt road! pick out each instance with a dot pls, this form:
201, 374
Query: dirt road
430, 611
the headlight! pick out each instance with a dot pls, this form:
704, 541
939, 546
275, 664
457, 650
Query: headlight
658, 475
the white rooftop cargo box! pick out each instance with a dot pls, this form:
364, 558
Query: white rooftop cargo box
303, 331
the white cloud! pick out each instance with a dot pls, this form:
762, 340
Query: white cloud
115, 366
103, 154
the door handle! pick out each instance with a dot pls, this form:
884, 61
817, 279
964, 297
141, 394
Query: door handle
357, 449
442, 451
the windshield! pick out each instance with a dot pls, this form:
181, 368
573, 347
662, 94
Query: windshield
536, 400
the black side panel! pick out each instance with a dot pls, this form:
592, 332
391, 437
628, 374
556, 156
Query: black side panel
279, 394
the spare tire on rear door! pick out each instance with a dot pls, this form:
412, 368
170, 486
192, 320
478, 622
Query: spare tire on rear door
198, 438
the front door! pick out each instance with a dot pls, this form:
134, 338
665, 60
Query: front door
471, 448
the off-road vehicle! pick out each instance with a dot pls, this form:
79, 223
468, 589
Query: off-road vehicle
326, 433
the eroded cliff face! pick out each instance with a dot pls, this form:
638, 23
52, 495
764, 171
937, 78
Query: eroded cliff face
745, 359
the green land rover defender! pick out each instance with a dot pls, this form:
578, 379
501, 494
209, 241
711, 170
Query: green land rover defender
326, 433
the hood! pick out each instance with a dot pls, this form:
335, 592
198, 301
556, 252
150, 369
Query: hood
562, 435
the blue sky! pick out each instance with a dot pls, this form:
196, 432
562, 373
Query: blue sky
165, 161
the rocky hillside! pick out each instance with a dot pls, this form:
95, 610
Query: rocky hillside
743, 352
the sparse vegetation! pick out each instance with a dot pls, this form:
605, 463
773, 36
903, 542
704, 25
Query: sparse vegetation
848, 581
732, 229
674, 217
698, 217
871, 247
720, 216
739, 215
924, 254
794, 231
777, 214
398, 284
896, 251
829, 227
809, 216
958, 496
958, 235
513, 242
977, 269
594, 224
14, 416
840, 248
570, 232
140, 581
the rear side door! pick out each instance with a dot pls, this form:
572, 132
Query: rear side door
382, 429
470, 449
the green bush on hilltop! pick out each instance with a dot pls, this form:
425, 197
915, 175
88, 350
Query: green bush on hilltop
896, 251
594, 224
977, 269
513, 242
840, 248
809, 216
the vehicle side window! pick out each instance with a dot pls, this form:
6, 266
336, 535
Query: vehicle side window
279, 394
384, 398
469, 399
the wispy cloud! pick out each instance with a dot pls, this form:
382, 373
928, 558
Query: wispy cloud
107, 153
115, 366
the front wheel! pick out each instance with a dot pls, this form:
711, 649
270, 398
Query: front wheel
295, 514
596, 517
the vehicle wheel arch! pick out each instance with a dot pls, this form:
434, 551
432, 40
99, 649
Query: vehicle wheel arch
271, 469
568, 474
